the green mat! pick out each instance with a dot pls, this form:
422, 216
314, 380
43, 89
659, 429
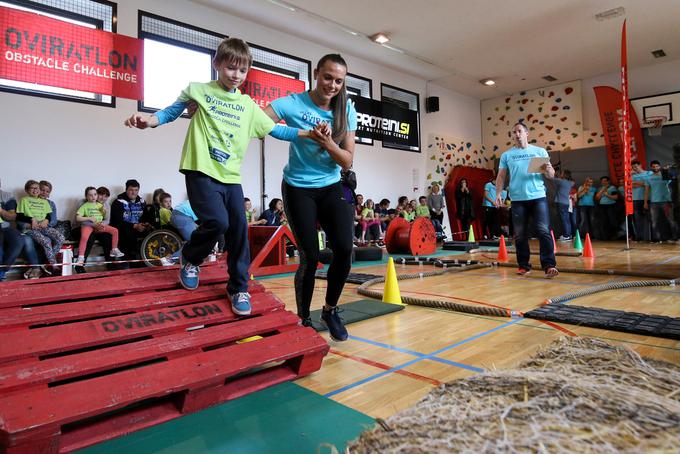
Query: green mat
285, 418
357, 311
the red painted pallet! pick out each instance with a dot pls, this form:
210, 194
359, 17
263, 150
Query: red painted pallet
83, 360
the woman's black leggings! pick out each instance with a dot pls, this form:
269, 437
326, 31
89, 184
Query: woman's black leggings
327, 205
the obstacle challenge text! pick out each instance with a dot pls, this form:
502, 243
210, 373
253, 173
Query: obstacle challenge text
38, 49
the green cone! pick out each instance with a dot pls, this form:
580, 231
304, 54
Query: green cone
577, 242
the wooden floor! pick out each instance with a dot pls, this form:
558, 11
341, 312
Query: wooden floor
391, 361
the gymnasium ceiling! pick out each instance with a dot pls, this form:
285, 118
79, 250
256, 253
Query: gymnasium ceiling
455, 43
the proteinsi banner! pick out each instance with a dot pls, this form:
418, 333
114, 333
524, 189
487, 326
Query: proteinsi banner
265, 87
386, 122
41, 50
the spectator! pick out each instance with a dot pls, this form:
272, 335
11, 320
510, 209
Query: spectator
607, 196
563, 186
126, 216
45, 191
464, 209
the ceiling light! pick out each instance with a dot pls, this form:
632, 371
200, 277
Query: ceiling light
550, 78
396, 49
488, 82
610, 13
380, 38
658, 53
282, 5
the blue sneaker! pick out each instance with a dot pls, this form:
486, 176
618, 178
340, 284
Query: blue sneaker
188, 274
336, 328
240, 303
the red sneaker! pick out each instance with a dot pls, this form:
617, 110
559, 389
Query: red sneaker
523, 271
551, 272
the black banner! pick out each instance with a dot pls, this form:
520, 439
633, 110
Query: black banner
386, 122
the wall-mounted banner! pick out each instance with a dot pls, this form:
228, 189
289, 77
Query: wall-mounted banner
42, 50
611, 116
265, 87
386, 121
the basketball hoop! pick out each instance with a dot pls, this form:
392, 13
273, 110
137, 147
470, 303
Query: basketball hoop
654, 124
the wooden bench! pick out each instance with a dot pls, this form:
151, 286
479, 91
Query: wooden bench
88, 358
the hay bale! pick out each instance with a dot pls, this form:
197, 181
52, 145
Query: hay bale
577, 395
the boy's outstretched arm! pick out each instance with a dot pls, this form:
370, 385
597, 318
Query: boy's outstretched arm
170, 113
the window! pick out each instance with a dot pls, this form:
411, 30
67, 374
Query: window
406, 100
99, 14
175, 54
360, 86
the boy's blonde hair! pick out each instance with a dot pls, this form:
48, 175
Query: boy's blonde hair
233, 50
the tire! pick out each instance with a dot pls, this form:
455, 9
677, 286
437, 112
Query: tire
159, 244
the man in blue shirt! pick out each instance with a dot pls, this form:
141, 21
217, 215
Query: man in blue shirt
659, 203
527, 192
640, 204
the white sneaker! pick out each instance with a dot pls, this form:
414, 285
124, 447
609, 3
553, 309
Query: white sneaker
116, 253
80, 261
167, 261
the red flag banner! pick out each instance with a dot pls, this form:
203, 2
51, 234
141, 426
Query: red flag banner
41, 50
611, 117
625, 103
265, 87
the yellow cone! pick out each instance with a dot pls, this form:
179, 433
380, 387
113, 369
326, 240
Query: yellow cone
471, 236
391, 294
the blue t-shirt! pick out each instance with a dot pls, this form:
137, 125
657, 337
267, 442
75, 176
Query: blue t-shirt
185, 209
587, 199
490, 191
523, 185
659, 190
611, 190
639, 192
309, 166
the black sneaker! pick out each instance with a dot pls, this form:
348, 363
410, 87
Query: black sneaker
335, 326
306, 322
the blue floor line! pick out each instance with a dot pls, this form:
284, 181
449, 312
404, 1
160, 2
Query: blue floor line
430, 356
415, 353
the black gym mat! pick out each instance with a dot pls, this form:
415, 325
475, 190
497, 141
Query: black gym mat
627, 322
357, 311
352, 278
459, 246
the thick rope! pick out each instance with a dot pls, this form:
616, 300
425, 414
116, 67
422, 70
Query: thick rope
611, 286
438, 304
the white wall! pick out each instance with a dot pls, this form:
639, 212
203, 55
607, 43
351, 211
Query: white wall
76, 145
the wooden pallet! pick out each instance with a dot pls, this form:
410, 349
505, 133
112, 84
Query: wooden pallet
83, 360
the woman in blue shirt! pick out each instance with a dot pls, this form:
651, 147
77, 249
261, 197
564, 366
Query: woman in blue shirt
311, 183
586, 208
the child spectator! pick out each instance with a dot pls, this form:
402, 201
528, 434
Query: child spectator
381, 212
422, 210
251, 214
103, 195
45, 191
165, 209
435, 203
408, 213
368, 219
36, 214
91, 215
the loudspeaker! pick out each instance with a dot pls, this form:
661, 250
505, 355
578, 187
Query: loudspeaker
432, 104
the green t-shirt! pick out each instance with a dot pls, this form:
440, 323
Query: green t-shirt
422, 211
408, 216
366, 212
164, 214
34, 207
249, 217
220, 130
92, 210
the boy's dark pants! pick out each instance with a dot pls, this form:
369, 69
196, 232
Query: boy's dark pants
219, 207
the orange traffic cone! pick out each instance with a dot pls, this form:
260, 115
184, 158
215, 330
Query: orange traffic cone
554, 242
502, 251
588, 251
